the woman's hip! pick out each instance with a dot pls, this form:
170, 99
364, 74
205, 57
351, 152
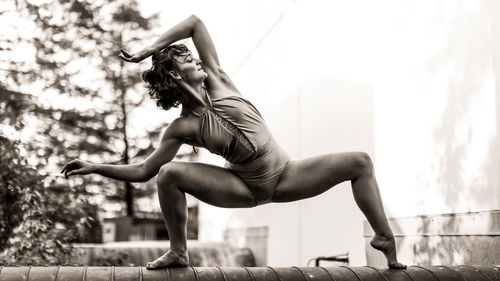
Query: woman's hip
262, 174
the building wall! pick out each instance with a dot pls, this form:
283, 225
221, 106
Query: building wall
437, 109
437, 114
413, 83
448, 239
310, 111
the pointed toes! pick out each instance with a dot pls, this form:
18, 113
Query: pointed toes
397, 265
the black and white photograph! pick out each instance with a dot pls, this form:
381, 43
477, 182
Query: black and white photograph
266, 140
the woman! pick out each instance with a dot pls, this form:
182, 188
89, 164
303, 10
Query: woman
215, 116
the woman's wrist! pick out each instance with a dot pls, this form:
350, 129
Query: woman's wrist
146, 52
94, 168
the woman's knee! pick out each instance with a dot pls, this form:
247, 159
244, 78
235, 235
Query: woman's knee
169, 174
362, 163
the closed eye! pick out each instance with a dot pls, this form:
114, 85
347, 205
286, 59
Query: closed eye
185, 58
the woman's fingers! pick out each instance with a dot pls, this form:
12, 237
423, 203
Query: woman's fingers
125, 54
65, 166
77, 167
75, 172
128, 57
71, 166
68, 171
68, 165
81, 171
124, 58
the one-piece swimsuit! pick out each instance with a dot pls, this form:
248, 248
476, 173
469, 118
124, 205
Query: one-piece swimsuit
234, 129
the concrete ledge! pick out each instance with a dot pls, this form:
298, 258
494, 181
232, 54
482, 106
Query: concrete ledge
139, 253
485, 223
452, 239
413, 273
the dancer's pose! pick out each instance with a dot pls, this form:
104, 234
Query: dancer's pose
216, 116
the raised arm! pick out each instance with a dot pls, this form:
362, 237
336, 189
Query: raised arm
169, 145
191, 27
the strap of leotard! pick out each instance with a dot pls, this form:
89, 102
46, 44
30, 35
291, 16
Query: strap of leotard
208, 96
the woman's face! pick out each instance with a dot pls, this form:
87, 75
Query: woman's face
190, 69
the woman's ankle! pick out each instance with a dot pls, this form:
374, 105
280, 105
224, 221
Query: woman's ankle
386, 235
179, 251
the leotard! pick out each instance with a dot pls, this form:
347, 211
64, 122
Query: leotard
234, 129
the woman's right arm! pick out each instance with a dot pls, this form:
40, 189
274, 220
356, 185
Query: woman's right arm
191, 27
170, 142
180, 31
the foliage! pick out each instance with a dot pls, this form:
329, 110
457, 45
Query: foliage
74, 47
67, 95
13, 177
32, 229
70, 53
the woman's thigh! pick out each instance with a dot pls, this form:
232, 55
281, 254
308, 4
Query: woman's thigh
211, 184
312, 176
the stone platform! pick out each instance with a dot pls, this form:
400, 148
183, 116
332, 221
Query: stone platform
342, 273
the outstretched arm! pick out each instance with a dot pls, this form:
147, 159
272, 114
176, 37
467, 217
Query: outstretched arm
191, 27
140, 172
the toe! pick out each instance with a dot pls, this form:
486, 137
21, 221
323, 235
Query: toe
152, 265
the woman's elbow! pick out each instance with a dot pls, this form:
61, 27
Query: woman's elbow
146, 173
194, 18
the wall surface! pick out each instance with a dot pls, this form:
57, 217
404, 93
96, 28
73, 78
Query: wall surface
413, 83
331, 223
310, 111
450, 239
437, 125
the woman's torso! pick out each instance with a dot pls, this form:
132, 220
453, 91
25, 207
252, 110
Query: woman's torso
232, 127
229, 126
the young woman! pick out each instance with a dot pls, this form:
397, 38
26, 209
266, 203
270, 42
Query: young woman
216, 116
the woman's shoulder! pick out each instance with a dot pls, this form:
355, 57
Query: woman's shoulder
182, 127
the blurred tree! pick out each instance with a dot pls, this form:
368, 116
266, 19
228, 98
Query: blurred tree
36, 218
66, 44
31, 229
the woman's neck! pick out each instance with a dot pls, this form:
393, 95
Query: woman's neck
193, 97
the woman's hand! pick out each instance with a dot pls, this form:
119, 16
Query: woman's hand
77, 167
126, 56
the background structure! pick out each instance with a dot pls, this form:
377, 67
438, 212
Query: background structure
412, 83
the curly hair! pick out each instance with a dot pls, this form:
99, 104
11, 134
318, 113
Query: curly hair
162, 88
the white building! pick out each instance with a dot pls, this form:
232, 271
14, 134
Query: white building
413, 83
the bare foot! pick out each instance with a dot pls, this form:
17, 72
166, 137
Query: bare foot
169, 259
387, 246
